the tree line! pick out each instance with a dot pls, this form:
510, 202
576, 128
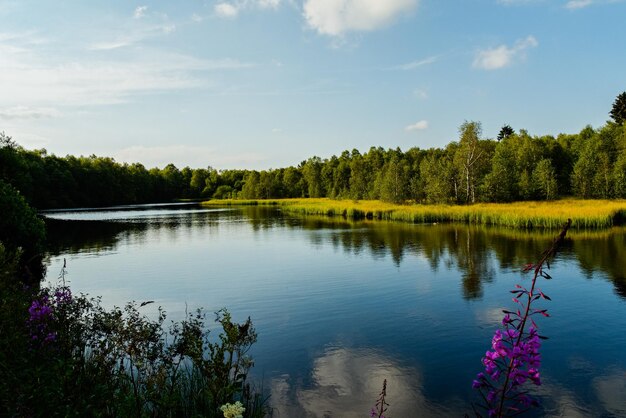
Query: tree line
515, 166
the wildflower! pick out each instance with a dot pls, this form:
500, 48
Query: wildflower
235, 410
514, 358
62, 296
43, 312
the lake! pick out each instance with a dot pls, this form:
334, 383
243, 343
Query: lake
339, 306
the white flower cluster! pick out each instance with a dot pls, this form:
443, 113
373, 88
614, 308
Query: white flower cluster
233, 410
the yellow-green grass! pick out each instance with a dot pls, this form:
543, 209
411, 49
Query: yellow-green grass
585, 214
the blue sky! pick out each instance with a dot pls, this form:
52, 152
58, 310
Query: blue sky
269, 83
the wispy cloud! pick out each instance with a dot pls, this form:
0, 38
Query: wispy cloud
24, 112
582, 4
269, 4
140, 12
415, 64
226, 10
517, 2
420, 94
503, 55
418, 126
336, 17
33, 80
232, 9
578, 4
132, 36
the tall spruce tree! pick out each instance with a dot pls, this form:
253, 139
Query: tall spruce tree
618, 112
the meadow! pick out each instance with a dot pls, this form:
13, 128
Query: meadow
585, 214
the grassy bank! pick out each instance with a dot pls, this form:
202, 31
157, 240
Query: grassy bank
585, 214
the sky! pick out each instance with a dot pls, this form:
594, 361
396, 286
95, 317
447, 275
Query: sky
261, 84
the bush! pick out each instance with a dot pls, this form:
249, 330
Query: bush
21, 229
68, 356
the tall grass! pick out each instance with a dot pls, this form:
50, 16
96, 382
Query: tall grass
585, 214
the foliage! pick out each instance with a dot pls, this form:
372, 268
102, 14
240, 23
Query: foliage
23, 232
618, 111
65, 355
544, 179
505, 132
471, 169
19, 224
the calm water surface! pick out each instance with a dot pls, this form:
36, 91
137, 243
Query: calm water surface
340, 306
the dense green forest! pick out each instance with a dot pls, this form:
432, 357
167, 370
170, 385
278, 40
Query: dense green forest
515, 166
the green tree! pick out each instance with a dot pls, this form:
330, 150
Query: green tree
438, 177
501, 183
544, 178
292, 182
341, 178
360, 177
312, 172
619, 176
22, 232
395, 181
223, 192
471, 160
505, 132
618, 112
251, 186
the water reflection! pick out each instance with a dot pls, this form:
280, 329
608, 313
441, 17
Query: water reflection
416, 304
345, 382
611, 391
477, 251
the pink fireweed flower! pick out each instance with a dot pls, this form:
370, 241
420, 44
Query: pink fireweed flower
514, 358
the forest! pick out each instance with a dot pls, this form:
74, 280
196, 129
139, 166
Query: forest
589, 164
516, 166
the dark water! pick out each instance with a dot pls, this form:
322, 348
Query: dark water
340, 306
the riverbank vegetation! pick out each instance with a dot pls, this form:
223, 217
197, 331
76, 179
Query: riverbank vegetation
64, 355
585, 214
515, 166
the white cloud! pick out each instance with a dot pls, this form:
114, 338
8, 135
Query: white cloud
197, 18
33, 80
578, 4
140, 12
226, 10
418, 126
234, 7
611, 391
420, 94
517, 2
503, 55
24, 112
269, 4
335, 17
415, 64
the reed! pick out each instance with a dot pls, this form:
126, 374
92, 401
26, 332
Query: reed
585, 214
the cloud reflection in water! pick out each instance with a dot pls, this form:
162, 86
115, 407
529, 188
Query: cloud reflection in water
345, 382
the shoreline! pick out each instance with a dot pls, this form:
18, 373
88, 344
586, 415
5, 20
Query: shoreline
585, 214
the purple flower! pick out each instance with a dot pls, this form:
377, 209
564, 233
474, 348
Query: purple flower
515, 359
